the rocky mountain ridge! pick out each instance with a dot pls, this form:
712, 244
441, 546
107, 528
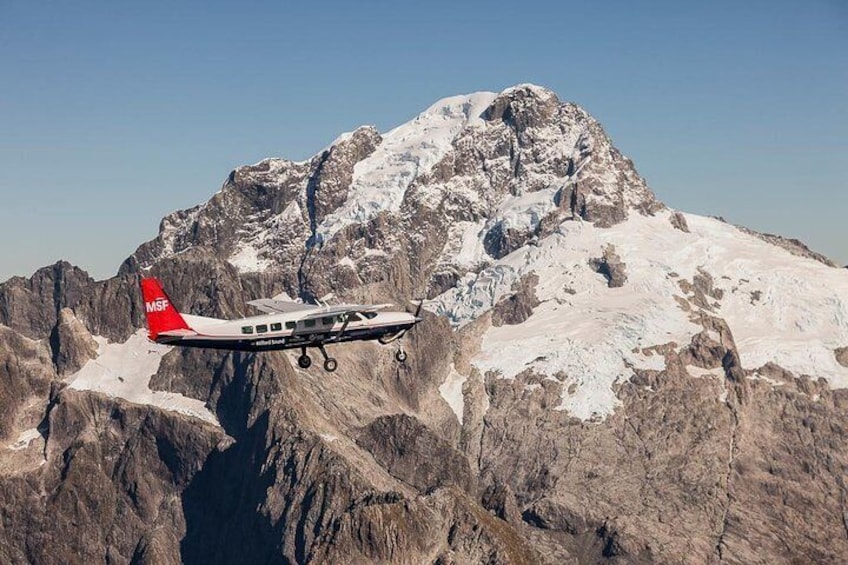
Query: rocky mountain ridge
600, 378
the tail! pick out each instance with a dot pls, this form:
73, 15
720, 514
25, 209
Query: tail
160, 312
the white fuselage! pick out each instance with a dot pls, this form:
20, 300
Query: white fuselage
288, 330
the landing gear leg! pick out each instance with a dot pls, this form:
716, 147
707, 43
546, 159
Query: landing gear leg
330, 364
304, 361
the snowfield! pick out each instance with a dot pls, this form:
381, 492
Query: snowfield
585, 333
123, 370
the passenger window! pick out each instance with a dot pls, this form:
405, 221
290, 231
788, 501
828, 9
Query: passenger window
309, 323
247, 329
370, 315
328, 320
276, 326
262, 329
290, 325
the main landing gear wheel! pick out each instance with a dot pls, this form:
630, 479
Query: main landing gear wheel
330, 364
304, 361
400, 355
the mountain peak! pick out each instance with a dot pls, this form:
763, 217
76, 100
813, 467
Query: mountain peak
471, 106
465, 154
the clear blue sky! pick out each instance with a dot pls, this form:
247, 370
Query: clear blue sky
113, 114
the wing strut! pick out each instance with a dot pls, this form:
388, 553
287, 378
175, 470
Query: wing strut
344, 326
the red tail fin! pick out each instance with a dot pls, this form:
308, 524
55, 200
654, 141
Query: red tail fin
160, 312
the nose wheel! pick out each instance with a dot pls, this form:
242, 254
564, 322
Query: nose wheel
400, 355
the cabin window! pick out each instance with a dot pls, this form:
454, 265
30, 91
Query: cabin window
276, 326
262, 329
247, 329
309, 323
354, 317
328, 320
370, 315
290, 325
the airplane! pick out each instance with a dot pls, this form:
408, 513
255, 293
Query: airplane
284, 325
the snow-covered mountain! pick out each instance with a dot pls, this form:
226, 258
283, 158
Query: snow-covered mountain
599, 377
517, 185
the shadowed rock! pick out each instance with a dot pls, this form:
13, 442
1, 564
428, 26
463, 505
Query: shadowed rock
611, 267
519, 306
72, 345
842, 356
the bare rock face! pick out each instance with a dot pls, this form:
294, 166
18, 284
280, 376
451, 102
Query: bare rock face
502, 240
842, 356
115, 469
412, 453
26, 370
764, 495
525, 109
32, 306
327, 188
702, 291
518, 307
705, 284
611, 267
72, 345
443, 527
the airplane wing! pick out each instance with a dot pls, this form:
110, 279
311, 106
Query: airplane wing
276, 306
344, 309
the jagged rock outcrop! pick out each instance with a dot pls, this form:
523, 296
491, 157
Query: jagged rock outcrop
518, 307
678, 220
112, 470
32, 306
26, 371
611, 267
71, 343
842, 356
660, 413
327, 188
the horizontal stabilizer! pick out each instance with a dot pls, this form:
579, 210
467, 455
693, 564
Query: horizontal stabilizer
178, 333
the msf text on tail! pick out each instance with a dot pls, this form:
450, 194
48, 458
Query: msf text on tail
283, 325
